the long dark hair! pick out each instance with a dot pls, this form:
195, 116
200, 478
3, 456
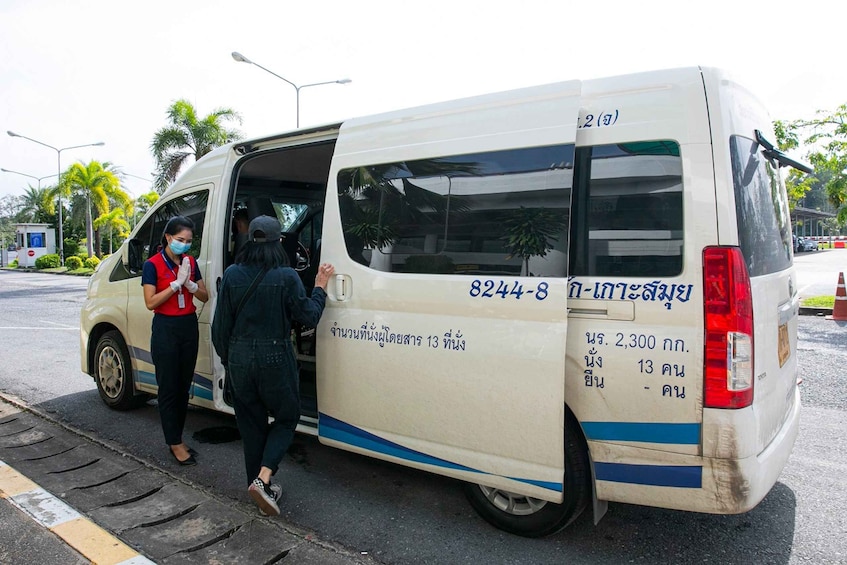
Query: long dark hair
268, 255
176, 225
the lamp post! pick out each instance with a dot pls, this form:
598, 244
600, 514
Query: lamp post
59, 164
39, 179
242, 59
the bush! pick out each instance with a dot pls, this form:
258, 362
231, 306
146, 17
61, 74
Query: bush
50, 261
13, 264
73, 263
92, 262
71, 247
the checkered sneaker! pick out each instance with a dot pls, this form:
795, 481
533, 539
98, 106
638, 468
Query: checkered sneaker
265, 497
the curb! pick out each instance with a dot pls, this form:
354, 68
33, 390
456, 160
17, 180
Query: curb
87, 538
810, 311
307, 539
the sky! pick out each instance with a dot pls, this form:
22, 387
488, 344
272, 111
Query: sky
74, 73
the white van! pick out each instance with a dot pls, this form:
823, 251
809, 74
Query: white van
572, 292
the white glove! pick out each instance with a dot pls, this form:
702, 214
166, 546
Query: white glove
184, 271
175, 286
191, 286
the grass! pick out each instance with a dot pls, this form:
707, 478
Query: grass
825, 301
81, 271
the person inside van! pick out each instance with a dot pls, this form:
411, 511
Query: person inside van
240, 223
171, 280
260, 296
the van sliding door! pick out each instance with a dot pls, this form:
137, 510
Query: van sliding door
443, 343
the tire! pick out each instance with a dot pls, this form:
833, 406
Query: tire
113, 373
531, 517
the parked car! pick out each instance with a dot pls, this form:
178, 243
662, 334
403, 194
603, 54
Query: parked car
805, 244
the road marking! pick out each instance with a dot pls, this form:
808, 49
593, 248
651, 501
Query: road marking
90, 540
36, 328
63, 326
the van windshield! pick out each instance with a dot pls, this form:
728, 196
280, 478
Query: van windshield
761, 205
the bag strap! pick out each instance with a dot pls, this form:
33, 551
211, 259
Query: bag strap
249, 293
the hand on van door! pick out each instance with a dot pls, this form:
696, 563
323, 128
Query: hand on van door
184, 271
324, 272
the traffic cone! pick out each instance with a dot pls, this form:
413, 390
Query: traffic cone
839, 309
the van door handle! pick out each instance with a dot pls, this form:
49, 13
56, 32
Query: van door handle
601, 309
343, 287
218, 285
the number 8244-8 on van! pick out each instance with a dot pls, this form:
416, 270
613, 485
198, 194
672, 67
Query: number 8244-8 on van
562, 294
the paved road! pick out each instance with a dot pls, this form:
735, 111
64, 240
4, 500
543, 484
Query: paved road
817, 271
400, 515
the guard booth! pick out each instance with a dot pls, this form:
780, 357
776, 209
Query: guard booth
33, 241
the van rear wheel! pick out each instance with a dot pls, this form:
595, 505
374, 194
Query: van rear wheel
113, 373
531, 517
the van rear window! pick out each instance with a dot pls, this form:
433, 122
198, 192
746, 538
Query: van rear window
627, 212
761, 206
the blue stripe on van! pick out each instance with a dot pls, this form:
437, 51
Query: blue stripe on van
337, 430
202, 385
653, 475
141, 354
648, 432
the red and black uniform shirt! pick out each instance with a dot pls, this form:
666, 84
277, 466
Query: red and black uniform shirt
160, 271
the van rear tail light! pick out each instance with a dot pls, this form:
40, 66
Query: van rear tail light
728, 321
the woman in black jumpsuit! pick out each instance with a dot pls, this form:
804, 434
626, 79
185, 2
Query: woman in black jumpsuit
253, 339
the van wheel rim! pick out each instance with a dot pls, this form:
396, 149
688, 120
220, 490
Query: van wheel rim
512, 503
110, 371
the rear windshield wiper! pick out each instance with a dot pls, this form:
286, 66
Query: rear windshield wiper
775, 154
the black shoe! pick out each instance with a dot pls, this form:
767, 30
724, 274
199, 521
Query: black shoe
192, 452
185, 462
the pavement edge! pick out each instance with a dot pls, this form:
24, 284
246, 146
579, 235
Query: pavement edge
87, 538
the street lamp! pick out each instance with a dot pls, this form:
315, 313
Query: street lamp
39, 179
242, 59
59, 163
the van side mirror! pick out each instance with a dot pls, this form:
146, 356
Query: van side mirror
135, 252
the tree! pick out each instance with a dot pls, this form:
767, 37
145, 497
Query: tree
37, 206
529, 232
115, 219
826, 135
10, 205
95, 188
144, 203
185, 136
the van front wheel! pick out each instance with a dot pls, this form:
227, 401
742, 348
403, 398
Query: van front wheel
531, 517
113, 373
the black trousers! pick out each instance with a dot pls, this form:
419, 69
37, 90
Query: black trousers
265, 381
173, 346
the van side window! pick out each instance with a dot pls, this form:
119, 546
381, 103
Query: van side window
495, 213
627, 219
761, 206
191, 205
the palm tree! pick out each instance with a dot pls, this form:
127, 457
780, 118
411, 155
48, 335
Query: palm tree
144, 203
37, 206
114, 219
186, 135
95, 187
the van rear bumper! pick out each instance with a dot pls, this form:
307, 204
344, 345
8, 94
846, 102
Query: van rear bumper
651, 477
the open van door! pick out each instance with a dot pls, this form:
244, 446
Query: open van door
443, 343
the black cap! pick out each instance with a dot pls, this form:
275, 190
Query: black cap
264, 229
